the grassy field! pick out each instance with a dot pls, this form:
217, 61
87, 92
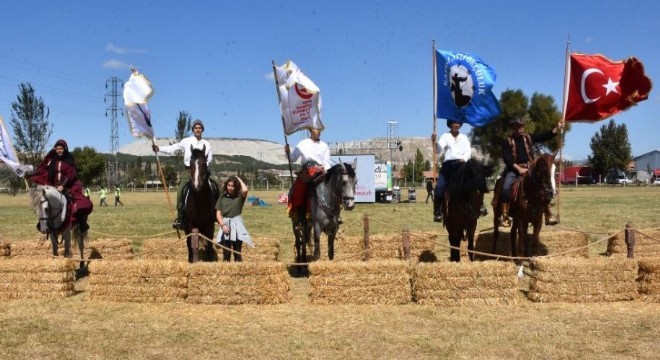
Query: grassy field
78, 328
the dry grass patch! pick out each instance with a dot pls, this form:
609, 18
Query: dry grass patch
465, 283
36, 279
583, 280
384, 282
138, 281
239, 283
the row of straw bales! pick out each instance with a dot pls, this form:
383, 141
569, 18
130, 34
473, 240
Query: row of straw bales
36, 279
647, 243
97, 249
566, 243
266, 249
583, 280
146, 281
384, 247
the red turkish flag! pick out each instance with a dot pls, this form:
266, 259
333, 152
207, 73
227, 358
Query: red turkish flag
599, 87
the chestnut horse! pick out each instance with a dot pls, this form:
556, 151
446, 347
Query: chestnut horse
464, 200
527, 206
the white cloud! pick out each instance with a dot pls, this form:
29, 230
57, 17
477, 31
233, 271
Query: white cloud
122, 50
115, 64
589, 39
269, 76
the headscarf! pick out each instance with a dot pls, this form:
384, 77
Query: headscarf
54, 158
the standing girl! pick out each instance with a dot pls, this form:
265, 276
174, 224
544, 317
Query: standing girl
229, 207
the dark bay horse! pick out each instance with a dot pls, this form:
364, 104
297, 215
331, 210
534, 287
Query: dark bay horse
55, 220
334, 191
199, 207
465, 198
527, 206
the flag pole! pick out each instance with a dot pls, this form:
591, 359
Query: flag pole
435, 75
279, 102
567, 69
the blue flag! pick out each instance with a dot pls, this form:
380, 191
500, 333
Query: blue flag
464, 89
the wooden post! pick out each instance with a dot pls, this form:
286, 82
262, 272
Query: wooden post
194, 244
405, 239
630, 240
367, 243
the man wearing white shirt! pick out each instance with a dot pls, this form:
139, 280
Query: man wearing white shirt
457, 150
185, 144
315, 159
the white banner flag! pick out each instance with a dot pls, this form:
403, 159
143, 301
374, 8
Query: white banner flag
7, 153
300, 99
137, 91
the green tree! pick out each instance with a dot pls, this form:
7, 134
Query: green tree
170, 174
610, 149
541, 113
182, 131
29, 120
89, 163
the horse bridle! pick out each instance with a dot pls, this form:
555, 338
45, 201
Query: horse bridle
50, 218
336, 194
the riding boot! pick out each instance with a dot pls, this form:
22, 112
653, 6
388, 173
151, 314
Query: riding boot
178, 222
549, 218
82, 223
506, 220
300, 213
437, 209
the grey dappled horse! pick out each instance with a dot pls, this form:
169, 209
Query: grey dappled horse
334, 191
55, 219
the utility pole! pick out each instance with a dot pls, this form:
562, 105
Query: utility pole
112, 174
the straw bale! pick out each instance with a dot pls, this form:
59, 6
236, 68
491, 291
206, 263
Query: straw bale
385, 246
449, 283
567, 243
43, 249
36, 279
648, 278
484, 244
164, 249
421, 244
647, 243
265, 249
348, 248
372, 282
138, 281
117, 249
239, 283
583, 280
139, 268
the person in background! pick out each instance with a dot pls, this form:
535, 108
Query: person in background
315, 158
58, 169
232, 233
102, 195
195, 141
429, 190
86, 192
517, 153
117, 195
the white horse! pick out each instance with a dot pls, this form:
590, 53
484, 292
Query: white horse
54, 219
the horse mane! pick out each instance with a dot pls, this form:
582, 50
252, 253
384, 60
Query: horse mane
197, 153
468, 177
35, 195
337, 168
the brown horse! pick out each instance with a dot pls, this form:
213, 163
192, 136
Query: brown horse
530, 194
465, 198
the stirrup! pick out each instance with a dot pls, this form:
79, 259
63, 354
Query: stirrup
506, 221
437, 217
177, 225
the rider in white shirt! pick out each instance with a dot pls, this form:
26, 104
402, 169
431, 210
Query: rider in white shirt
315, 158
185, 144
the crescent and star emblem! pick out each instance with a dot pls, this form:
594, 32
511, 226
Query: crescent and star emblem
610, 86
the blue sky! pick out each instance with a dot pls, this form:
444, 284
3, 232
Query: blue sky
371, 59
